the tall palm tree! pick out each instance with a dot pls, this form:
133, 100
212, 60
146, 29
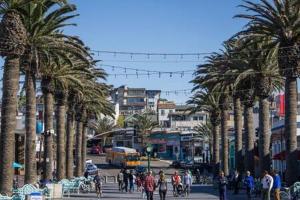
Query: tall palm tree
205, 100
144, 124
280, 21
13, 38
204, 131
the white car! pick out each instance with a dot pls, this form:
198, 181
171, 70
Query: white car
91, 169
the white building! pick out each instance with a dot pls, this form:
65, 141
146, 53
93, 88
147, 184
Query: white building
164, 109
181, 119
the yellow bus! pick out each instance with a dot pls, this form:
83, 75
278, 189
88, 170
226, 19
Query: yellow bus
123, 156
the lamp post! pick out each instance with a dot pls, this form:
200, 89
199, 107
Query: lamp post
148, 150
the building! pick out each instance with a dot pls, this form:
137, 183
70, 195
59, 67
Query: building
135, 100
172, 145
164, 109
278, 145
181, 119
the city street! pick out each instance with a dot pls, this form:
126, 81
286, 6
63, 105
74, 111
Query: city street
110, 190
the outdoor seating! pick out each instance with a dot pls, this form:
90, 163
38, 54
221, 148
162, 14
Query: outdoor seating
20, 193
71, 186
4, 197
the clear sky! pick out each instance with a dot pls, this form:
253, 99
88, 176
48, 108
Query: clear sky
168, 26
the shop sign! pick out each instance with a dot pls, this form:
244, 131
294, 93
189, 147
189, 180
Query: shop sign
172, 142
186, 138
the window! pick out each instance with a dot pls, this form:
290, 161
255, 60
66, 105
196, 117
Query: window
170, 111
201, 118
195, 118
162, 112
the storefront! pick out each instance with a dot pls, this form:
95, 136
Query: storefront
165, 145
186, 146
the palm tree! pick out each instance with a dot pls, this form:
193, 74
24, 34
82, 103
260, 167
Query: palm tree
279, 20
205, 100
12, 46
103, 125
145, 124
204, 131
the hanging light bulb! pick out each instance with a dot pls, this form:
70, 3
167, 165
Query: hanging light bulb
198, 56
182, 74
131, 55
165, 56
181, 56
113, 68
148, 74
171, 74
148, 56
115, 54
115, 75
159, 74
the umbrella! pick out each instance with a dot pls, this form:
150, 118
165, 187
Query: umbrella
17, 165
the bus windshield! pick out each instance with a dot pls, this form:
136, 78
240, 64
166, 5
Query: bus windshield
132, 158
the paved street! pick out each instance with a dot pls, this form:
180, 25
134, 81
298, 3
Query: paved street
198, 192
111, 192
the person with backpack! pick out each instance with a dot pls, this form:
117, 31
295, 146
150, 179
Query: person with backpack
162, 186
176, 180
249, 183
120, 180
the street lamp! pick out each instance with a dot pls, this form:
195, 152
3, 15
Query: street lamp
148, 150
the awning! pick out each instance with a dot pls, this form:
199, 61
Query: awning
281, 156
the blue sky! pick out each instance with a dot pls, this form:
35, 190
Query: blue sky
168, 26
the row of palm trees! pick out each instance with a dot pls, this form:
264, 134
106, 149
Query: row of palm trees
33, 44
258, 61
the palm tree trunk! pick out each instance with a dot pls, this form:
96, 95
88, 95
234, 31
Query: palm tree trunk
249, 136
238, 127
216, 149
70, 145
264, 135
61, 134
30, 126
78, 149
48, 141
224, 135
8, 122
84, 143
290, 127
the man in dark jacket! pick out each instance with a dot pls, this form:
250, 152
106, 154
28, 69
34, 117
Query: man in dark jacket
236, 179
126, 180
222, 182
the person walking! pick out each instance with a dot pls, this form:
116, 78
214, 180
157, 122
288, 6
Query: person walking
222, 182
267, 184
149, 185
236, 179
276, 185
120, 180
126, 179
131, 181
98, 184
163, 186
176, 180
187, 182
249, 184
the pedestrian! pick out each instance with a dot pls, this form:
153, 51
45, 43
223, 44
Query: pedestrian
163, 186
149, 185
249, 184
176, 180
138, 183
131, 181
187, 182
120, 180
236, 179
98, 184
222, 182
267, 184
126, 179
276, 185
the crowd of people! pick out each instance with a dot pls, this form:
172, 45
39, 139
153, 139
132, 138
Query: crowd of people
146, 183
264, 187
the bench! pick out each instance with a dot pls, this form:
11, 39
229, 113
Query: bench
71, 186
4, 197
20, 193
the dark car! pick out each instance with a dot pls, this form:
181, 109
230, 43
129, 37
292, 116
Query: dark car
140, 169
175, 164
95, 150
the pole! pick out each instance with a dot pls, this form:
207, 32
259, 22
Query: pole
148, 153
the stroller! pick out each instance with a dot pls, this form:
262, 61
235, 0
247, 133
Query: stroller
179, 190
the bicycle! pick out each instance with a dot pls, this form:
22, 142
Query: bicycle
289, 194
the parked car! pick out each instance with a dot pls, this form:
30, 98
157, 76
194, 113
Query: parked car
175, 164
91, 169
95, 150
186, 164
140, 169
